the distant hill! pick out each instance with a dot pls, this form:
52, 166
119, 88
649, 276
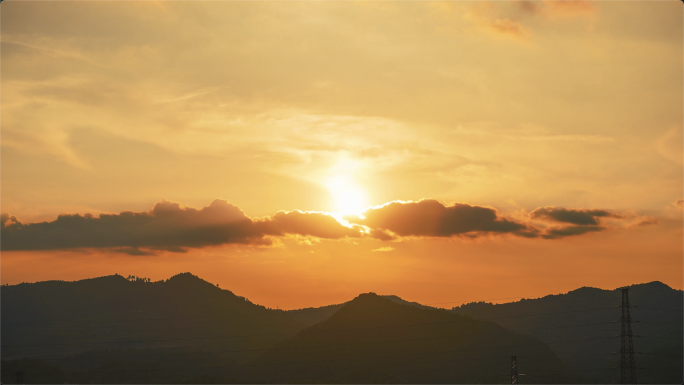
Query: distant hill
399, 300
116, 317
314, 315
565, 317
185, 330
372, 339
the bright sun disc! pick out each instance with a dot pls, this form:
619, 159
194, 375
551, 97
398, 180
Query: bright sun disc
348, 198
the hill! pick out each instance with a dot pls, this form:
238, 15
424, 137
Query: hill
588, 317
314, 315
372, 339
108, 325
186, 330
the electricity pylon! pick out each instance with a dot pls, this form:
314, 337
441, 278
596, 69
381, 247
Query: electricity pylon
514, 370
627, 371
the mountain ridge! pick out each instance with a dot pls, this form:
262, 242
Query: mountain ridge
375, 339
126, 312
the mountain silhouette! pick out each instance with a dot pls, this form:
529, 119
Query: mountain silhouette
372, 339
658, 316
314, 315
118, 318
185, 330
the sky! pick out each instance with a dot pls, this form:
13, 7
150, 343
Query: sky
300, 153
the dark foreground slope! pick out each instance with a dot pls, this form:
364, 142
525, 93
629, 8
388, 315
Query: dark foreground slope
583, 337
117, 330
375, 340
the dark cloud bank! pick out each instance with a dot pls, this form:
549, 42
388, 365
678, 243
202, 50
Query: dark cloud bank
168, 226
575, 217
429, 218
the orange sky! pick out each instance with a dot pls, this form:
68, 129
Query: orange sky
531, 147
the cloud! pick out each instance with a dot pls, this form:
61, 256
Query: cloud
509, 28
678, 203
7, 219
554, 8
431, 218
168, 226
382, 235
131, 251
529, 6
313, 224
559, 232
573, 216
670, 145
584, 221
386, 248
570, 8
571, 138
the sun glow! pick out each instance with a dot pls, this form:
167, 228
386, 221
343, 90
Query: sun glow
348, 198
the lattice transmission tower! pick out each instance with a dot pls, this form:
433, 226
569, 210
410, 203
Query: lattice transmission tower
514, 370
627, 370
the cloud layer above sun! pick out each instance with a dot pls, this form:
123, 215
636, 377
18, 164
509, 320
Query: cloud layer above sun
172, 227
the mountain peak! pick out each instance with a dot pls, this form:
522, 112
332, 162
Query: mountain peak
189, 280
185, 277
367, 297
367, 301
585, 290
652, 285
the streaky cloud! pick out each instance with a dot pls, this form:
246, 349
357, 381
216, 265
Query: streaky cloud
573, 216
559, 232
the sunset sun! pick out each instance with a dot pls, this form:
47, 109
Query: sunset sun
348, 198
342, 192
